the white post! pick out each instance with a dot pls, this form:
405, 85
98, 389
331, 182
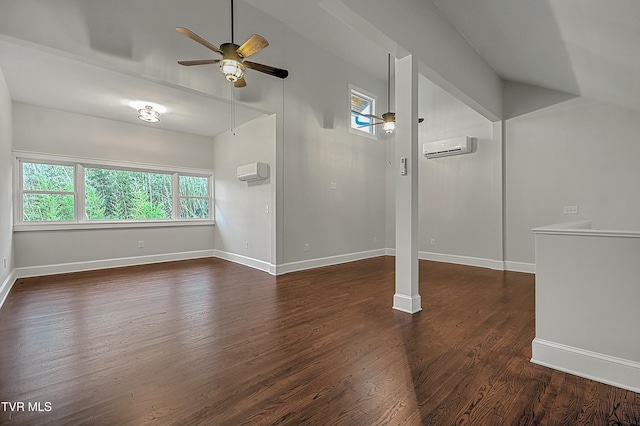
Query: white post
407, 297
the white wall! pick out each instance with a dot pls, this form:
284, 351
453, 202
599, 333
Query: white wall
38, 129
580, 152
320, 150
241, 207
50, 131
458, 194
6, 190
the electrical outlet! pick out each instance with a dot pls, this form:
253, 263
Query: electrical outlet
4, 262
333, 185
246, 244
140, 244
266, 208
306, 247
570, 209
375, 240
432, 241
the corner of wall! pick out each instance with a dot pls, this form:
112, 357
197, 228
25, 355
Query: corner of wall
6, 191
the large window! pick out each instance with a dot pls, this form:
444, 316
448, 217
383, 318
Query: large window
68, 192
362, 108
127, 195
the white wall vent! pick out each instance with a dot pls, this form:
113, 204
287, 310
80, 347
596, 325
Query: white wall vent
253, 171
455, 146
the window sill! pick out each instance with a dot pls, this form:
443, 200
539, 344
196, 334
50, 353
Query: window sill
74, 226
363, 134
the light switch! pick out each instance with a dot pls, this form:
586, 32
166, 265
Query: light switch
403, 166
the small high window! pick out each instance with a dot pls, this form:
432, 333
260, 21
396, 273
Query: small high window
362, 107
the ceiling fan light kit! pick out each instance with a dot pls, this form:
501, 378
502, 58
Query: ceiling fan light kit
232, 69
389, 122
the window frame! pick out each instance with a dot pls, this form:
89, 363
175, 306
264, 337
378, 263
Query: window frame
181, 197
22, 191
353, 89
80, 221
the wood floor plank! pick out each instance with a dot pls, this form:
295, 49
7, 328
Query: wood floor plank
214, 343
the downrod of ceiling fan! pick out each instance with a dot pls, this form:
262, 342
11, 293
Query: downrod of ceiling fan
388, 81
232, 22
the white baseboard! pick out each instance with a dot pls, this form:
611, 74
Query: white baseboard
6, 285
246, 261
529, 268
497, 265
602, 368
327, 261
62, 268
462, 260
407, 304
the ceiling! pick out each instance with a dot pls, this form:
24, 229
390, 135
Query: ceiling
583, 47
50, 79
94, 57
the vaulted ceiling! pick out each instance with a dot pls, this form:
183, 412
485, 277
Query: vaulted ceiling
90, 56
584, 47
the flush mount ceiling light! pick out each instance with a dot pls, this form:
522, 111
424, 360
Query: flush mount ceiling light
148, 114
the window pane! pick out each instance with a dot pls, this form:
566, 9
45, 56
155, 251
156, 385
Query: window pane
360, 105
47, 177
194, 208
127, 195
194, 186
47, 207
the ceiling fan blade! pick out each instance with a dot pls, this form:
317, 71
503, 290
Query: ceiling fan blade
241, 82
276, 72
369, 125
199, 62
196, 37
254, 44
367, 115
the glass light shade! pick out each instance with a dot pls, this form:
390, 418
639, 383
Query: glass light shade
389, 126
148, 114
232, 69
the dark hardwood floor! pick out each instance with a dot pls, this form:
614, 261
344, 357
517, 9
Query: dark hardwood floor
214, 343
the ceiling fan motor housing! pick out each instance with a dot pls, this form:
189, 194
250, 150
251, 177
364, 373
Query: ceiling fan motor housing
231, 64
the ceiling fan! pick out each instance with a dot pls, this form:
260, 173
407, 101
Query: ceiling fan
233, 62
388, 119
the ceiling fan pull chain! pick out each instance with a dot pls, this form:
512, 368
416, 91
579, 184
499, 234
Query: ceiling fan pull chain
233, 111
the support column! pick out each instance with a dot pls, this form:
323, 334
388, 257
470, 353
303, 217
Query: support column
407, 297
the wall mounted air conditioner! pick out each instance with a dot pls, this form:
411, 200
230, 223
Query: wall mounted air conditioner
253, 171
455, 146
